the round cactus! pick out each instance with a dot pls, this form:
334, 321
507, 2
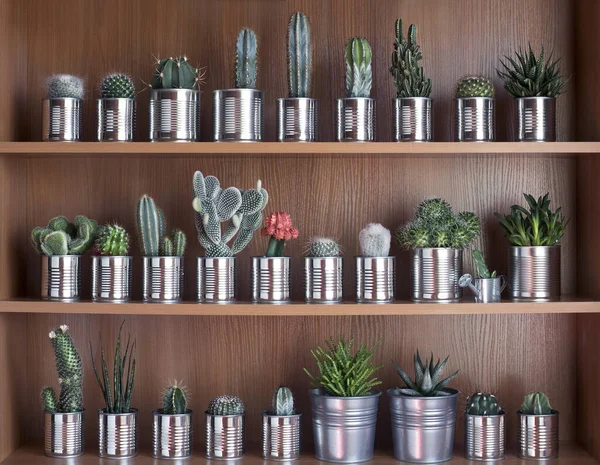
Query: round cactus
113, 240
481, 403
226, 405
375, 240
175, 73
536, 403
117, 86
283, 402
323, 247
474, 86
64, 86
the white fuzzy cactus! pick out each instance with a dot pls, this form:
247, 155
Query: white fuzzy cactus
64, 86
375, 240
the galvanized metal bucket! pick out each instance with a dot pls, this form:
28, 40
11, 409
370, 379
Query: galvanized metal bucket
271, 280
413, 119
536, 119
281, 437
64, 434
485, 290
534, 273
174, 115
216, 280
375, 279
61, 119
61, 277
297, 119
162, 279
475, 119
355, 119
323, 280
116, 119
224, 437
423, 427
117, 435
344, 427
484, 437
434, 275
172, 435
111, 278
238, 115
539, 436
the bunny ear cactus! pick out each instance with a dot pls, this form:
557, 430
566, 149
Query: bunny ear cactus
359, 74
113, 240
323, 247
536, 403
61, 237
283, 402
175, 73
482, 403
375, 240
175, 400
117, 85
428, 380
299, 56
245, 60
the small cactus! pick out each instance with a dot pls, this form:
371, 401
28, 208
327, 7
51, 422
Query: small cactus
299, 56
64, 86
375, 240
536, 403
226, 405
283, 402
481, 403
359, 75
60, 237
481, 269
175, 73
117, 85
245, 60
175, 400
474, 86
113, 240
323, 247
152, 231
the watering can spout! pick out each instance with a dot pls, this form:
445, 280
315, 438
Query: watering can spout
466, 280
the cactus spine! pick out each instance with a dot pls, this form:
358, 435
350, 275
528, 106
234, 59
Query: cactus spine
175, 400
323, 247
474, 86
375, 240
299, 56
226, 405
175, 73
359, 75
61, 237
482, 403
113, 240
536, 403
283, 402
245, 60
151, 227
117, 85
64, 86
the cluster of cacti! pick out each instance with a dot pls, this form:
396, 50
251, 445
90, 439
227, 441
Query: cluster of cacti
375, 240
64, 86
246, 60
117, 85
359, 75
152, 231
226, 405
481, 269
299, 56
283, 402
175, 73
175, 400
536, 403
113, 240
278, 226
409, 78
482, 403
70, 375
323, 247
62, 237
474, 86
428, 380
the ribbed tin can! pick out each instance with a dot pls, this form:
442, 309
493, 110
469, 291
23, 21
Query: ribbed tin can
271, 280
162, 279
536, 119
434, 274
61, 277
323, 280
344, 427
281, 437
423, 427
484, 437
238, 115
64, 434
117, 435
355, 119
297, 119
375, 279
115, 119
475, 119
61, 119
538, 436
413, 119
224, 437
172, 435
489, 290
111, 278
534, 273
216, 279
174, 115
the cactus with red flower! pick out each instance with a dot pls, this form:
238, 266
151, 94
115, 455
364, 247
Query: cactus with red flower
279, 227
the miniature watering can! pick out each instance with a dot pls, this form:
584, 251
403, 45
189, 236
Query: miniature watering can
486, 290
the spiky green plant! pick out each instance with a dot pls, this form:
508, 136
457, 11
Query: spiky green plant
536, 403
117, 85
359, 74
375, 240
151, 228
62, 237
175, 400
283, 402
113, 240
482, 403
474, 86
409, 78
481, 269
323, 247
428, 380
226, 405
299, 56
246, 66
64, 86
70, 375
175, 73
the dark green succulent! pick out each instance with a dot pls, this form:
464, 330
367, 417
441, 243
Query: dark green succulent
482, 403
428, 380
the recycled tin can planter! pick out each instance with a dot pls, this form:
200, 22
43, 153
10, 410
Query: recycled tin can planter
484, 437
485, 290
216, 280
117, 435
534, 273
224, 437
61, 277
538, 436
323, 280
116, 119
61, 119
375, 279
63, 434
435, 273
413, 119
172, 435
162, 279
297, 119
238, 115
271, 280
344, 427
174, 115
280, 437
111, 278
536, 119
355, 119
475, 119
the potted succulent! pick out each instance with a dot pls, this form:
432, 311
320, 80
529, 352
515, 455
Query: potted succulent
175, 101
62, 107
423, 413
271, 272
534, 82
475, 110
281, 428
356, 113
64, 417
375, 268
487, 286
162, 276
225, 428
539, 428
484, 428
117, 421
111, 265
238, 113
297, 115
116, 109
323, 271
61, 245
172, 425
534, 256
344, 403
242, 210
413, 108
436, 237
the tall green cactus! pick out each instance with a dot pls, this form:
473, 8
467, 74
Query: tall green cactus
175, 73
151, 227
283, 402
175, 400
245, 60
61, 237
359, 75
481, 269
299, 56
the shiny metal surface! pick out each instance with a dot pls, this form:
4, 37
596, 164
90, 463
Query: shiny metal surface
111, 278
115, 119
475, 119
162, 279
61, 277
61, 119
485, 290
536, 119
484, 437
174, 115
534, 273
216, 280
172, 435
413, 119
271, 280
238, 115
297, 119
280, 437
375, 279
64, 434
538, 436
117, 434
434, 275
355, 119
323, 280
224, 437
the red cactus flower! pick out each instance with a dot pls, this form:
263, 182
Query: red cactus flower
279, 226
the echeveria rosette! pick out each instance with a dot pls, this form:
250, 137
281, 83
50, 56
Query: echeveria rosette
279, 227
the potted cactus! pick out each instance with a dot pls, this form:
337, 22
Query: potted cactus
238, 113
117, 421
487, 287
242, 210
62, 108
436, 237
175, 100
534, 256
356, 113
535, 82
475, 110
172, 425
61, 245
484, 428
162, 275
539, 428
64, 417
111, 265
225, 428
375, 268
116, 109
281, 428
423, 413
323, 271
413, 107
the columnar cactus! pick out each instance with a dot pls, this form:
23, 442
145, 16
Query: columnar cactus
117, 85
152, 231
409, 78
175, 73
359, 75
113, 240
299, 56
226, 405
481, 269
536, 403
474, 86
61, 237
64, 86
375, 240
175, 400
482, 403
245, 60
323, 247
283, 402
